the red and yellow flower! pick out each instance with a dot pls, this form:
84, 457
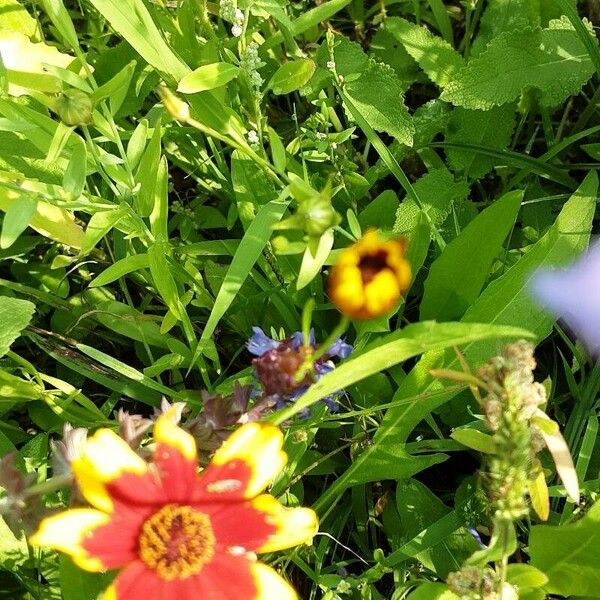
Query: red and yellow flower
174, 532
370, 277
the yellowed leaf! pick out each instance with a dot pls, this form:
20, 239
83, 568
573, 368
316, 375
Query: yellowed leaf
23, 57
49, 220
538, 492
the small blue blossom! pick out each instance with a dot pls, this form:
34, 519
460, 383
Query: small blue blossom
260, 342
340, 348
573, 294
298, 338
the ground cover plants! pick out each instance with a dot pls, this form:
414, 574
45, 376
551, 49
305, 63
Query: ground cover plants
279, 290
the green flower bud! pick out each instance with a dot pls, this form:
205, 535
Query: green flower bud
318, 215
74, 107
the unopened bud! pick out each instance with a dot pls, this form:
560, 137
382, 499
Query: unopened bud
176, 107
74, 107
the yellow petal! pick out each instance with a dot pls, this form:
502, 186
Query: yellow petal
382, 293
270, 585
259, 445
167, 432
110, 593
295, 526
67, 530
103, 458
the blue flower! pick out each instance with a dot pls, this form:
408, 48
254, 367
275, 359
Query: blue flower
573, 294
260, 342
340, 348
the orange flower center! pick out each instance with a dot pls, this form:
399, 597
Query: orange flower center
176, 542
370, 265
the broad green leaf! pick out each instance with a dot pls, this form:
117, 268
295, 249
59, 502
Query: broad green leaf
491, 129
16, 219
16, 18
378, 95
76, 584
129, 264
569, 555
443, 299
14, 388
291, 76
380, 212
525, 576
474, 439
553, 61
133, 22
207, 77
435, 56
15, 315
49, 220
99, 225
314, 259
21, 55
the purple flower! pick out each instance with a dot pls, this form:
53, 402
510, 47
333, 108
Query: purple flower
573, 294
298, 339
260, 342
340, 348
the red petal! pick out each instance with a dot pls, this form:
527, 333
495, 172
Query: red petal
177, 473
142, 490
225, 578
239, 524
223, 483
138, 582
115, 543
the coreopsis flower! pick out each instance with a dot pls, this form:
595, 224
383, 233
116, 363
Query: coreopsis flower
370, 277
175, 533
573, 294
278, 364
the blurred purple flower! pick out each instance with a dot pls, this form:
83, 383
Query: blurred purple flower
278, 363
573, 294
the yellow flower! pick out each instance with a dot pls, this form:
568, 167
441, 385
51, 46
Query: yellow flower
370, 277
175, 533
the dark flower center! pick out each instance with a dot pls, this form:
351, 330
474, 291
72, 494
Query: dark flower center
176, 542
371, 264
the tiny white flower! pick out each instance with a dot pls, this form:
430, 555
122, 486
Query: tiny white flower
236, 30
252, 137
331, 65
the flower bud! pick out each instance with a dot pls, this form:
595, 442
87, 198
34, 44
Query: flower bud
74, 107
318, 215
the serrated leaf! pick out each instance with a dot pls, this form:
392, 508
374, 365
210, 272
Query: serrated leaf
291, 76
15, 315
208, 77
435, 56
378, 95
553, 61
438, 191
488, 128
569, 555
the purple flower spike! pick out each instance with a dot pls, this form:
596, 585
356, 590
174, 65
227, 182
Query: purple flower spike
340, 348
260, 342
573, 294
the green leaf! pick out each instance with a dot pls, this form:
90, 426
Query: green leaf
474, 439
16, 18
116, 88
147, 173
525, 576
432, 591
435, 56
76, 584
392, 350
443, 299
99, 225
254, 241
492, 129
291, 76
378, 95
17, 218
129, 264
554, 61
75, 173
161, 274
314, 259
505, 302
208, 77
569, 555
15, 315
132, 21
438, 191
